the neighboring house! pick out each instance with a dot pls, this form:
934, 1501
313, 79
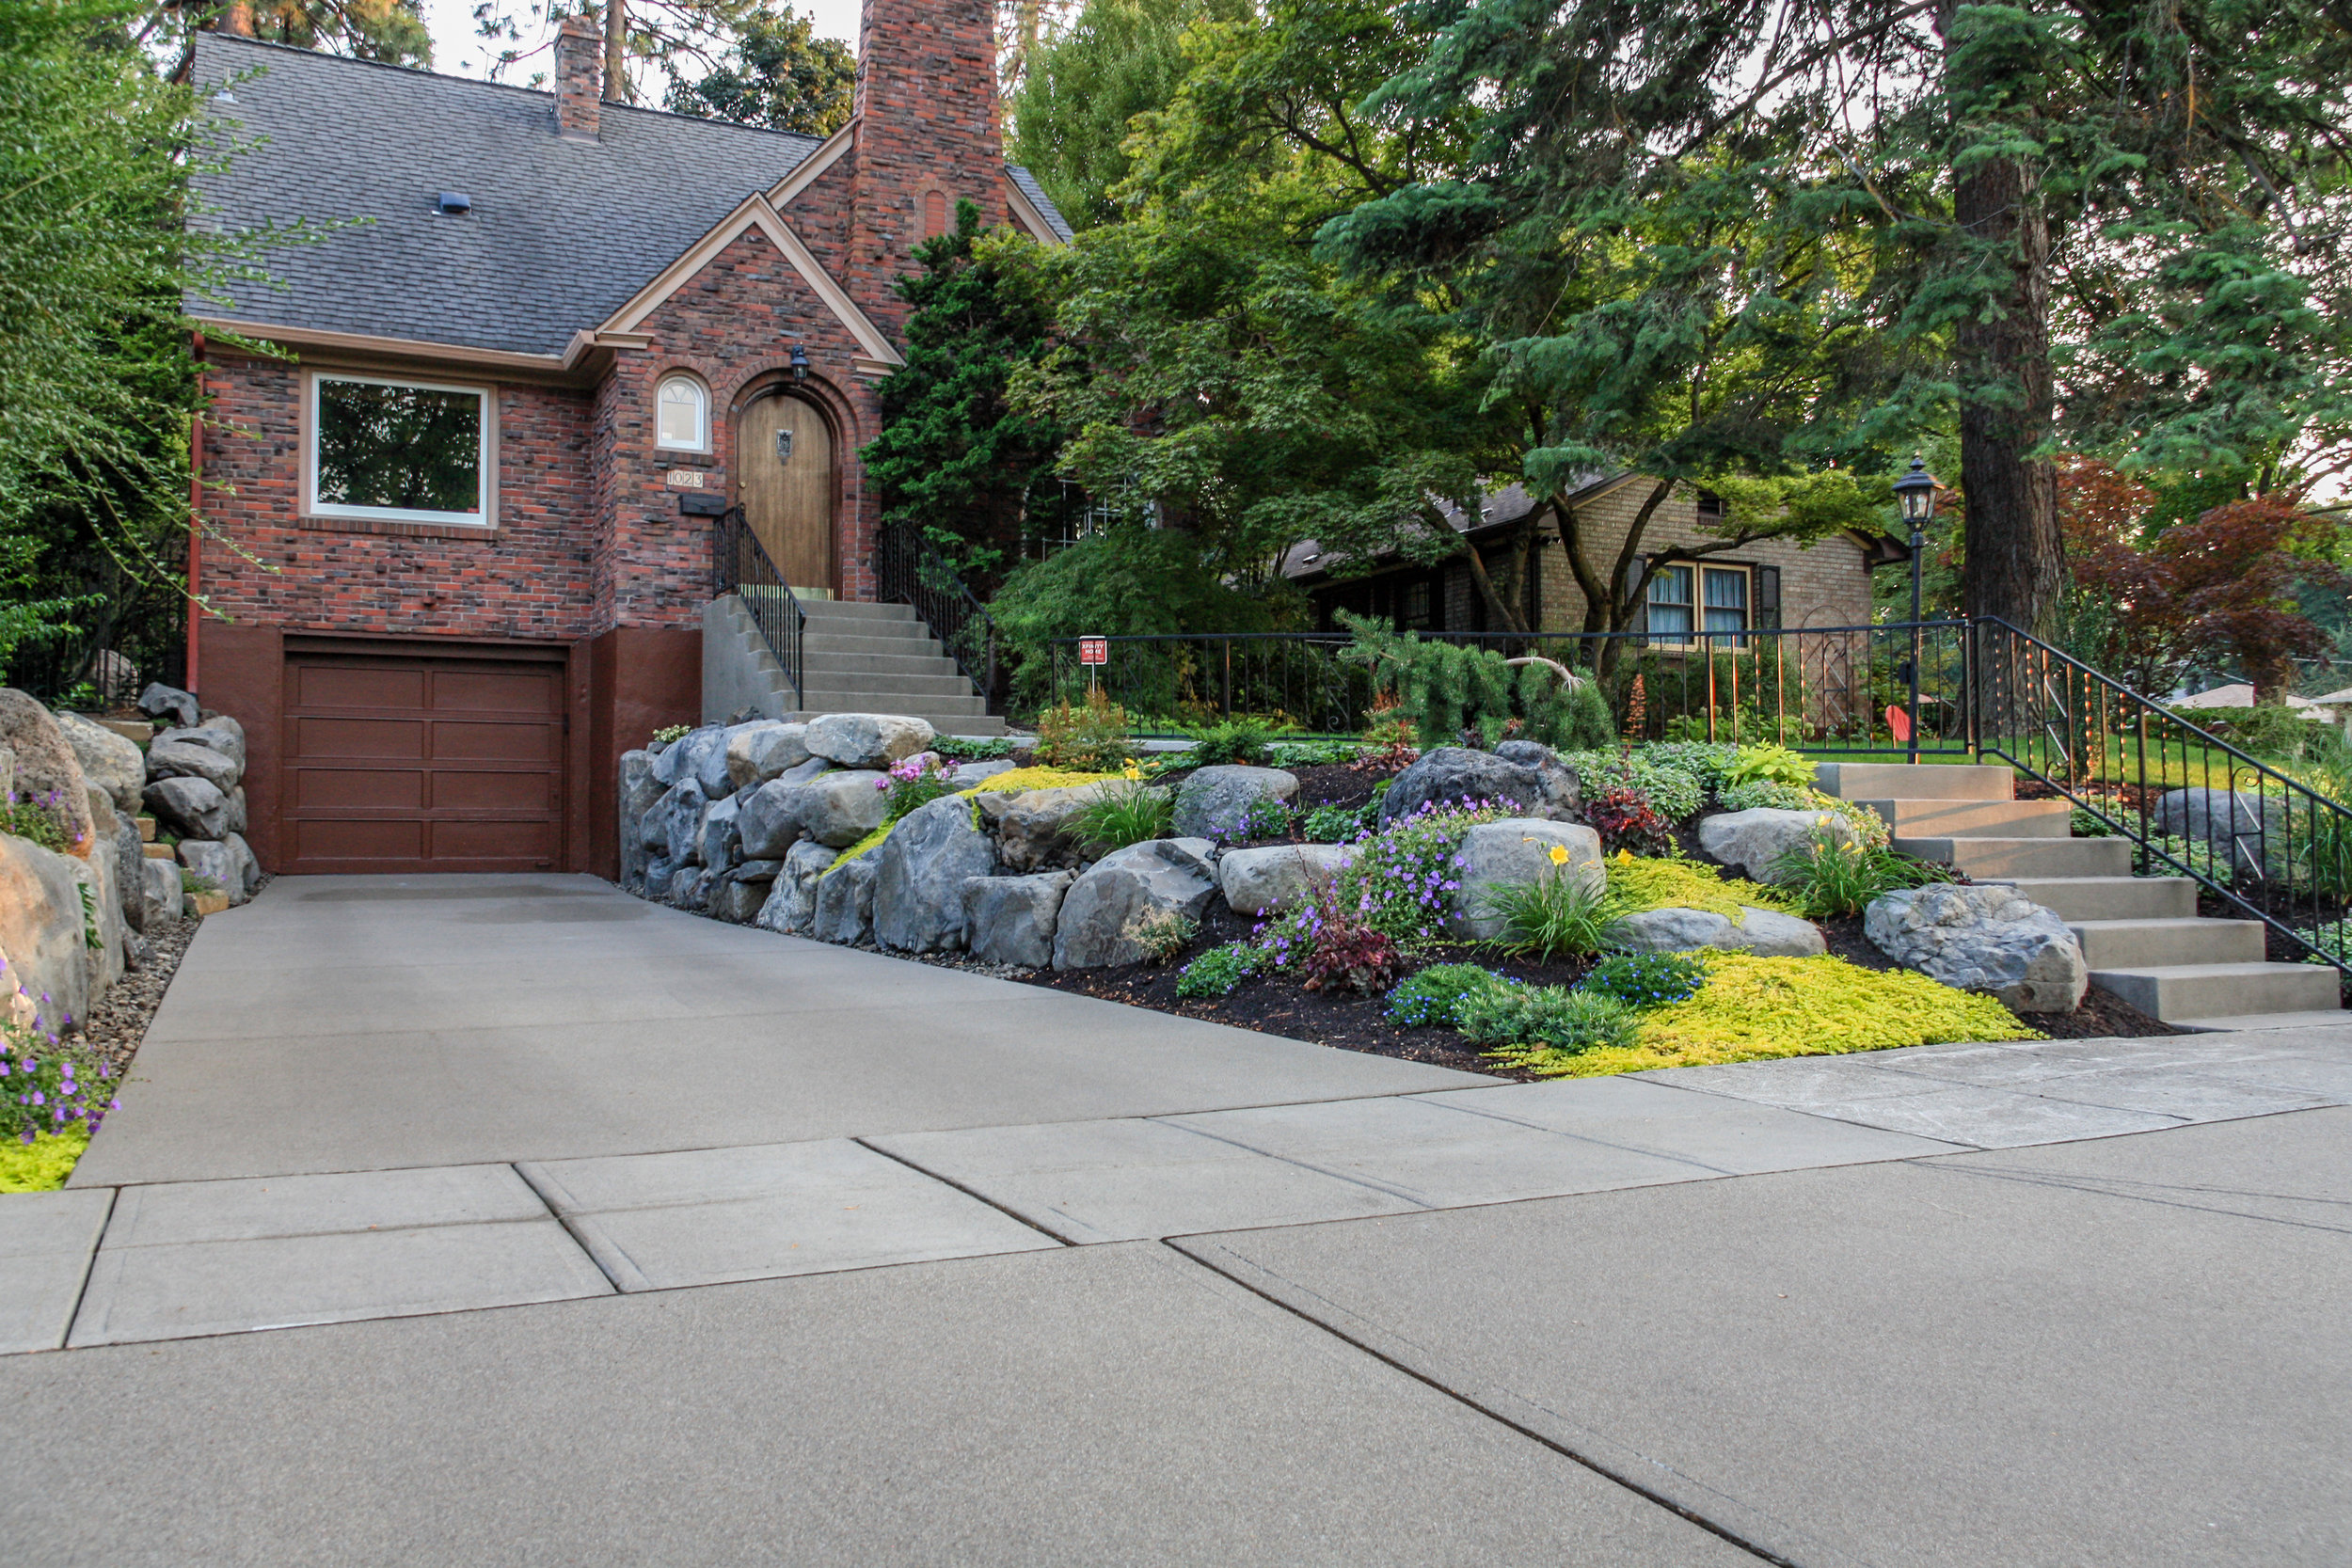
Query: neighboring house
1773, 582
466, 515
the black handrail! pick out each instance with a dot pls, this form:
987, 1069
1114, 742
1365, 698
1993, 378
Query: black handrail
910, 570
2280, 852
742, 566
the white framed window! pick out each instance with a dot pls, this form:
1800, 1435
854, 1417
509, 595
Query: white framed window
1686, 599
410, 451
682, 415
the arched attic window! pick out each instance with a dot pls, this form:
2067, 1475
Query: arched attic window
683, 423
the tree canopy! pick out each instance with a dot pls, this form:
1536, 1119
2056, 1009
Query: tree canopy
777, 73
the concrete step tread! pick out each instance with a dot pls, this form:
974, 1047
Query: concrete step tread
1853, 781
2244, 970
2332, 1018
2154, 922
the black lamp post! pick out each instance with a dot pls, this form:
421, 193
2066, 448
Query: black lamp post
1916, 490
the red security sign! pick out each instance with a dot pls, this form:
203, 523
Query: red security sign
1094, 650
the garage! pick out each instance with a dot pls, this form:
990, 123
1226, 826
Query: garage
399, 762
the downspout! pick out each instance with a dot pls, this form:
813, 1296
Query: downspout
196, 503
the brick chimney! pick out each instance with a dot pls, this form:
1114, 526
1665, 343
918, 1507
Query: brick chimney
579, 78
928, 134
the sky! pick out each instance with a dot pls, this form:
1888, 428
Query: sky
457, 53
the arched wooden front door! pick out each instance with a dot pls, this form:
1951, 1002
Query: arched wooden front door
784, 458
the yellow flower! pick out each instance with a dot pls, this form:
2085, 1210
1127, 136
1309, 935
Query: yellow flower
1624, 857
1559, 855
1134, 774
1821, 822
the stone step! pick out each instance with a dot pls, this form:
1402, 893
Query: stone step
860, 701
2151, 943
2333, 1019
159, 851
2006, 859
2171, 992
886, 687
147, 829
853, 610
1902, 780
1911, 818
850, 666
914, 641
2108, 897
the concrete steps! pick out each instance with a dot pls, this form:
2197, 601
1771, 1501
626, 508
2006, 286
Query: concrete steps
855, 658
2141, 936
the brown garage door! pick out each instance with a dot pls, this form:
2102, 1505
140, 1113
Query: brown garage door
416, 764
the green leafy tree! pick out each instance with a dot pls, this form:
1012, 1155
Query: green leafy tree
2092, 220
777, 73
955, 453
393, 31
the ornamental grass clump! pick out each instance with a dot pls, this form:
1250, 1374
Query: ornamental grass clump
1130, 811
1829, 879
1554, 915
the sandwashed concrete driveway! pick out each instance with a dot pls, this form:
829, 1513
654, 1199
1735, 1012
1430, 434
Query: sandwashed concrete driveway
590, 1232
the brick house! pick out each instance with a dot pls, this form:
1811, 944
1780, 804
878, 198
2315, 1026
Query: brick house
1772, 582
461, 521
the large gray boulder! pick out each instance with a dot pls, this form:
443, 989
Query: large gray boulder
218, 732
160, 891
130, 881
1766, 933
845, 902
1988, 938
217, 863
190, 807
835, 809
40, 932
249, 866
168, 702
1516, 850
919, 875
720, 835
1162, 875
691, 887
1277, 878
1752, 842
1563, 792
2236, 826
1039, 827
791, 904
175, 755
682, 823
108, 761
764, 750
638, 790
965, 774
1010, 920
46, 768
236, 817
866, 739
735, 901
1452, 775
1214, 802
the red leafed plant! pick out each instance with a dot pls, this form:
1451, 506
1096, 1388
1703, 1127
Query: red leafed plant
1626, 821
1343, 953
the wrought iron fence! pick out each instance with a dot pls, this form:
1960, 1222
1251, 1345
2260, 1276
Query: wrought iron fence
742, 566
2268, 840
88, 672
1830, 689
909, 570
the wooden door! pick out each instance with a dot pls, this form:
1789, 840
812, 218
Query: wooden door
784, 455
416, 764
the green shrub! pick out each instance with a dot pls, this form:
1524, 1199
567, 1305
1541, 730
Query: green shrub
1403, 878
2275, 731
1127, 814
1315, 753
1769, 764
1547, 1016
1230, 742
1829, 879
1085, 737
1433, 998
1672, 786
1336, 824
1449, 689
1219, 970
1554, 915
1646, 979
38, 820
972, 747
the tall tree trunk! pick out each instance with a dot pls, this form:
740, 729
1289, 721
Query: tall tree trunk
616, 50
2013, 554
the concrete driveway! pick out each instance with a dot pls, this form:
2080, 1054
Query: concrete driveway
586, 1231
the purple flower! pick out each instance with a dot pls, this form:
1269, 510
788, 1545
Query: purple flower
38, 1099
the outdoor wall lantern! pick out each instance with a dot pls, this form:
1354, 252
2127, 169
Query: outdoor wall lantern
799, 373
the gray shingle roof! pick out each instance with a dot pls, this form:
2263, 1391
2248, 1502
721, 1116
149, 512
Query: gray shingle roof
1035, 192
562, 232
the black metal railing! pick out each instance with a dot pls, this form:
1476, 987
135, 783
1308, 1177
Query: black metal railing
742, 566
82, 671
1826, 688
2268, 840
909, 570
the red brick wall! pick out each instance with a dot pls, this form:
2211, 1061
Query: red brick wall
734, 326
526, 579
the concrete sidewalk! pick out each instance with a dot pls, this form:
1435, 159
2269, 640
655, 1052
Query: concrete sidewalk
972, 1270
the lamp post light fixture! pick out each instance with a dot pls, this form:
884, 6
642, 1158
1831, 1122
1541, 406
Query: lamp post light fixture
800, 366
1916, 491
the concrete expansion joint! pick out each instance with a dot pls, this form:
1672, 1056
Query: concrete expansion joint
972, 1193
